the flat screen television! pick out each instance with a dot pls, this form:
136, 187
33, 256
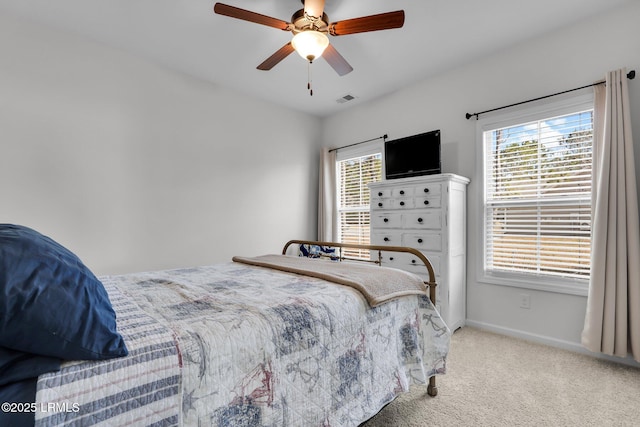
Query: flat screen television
413, 155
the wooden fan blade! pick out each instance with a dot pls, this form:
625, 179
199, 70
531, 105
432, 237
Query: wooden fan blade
382, 21
336, 61
274, 59
314, 8
247, 15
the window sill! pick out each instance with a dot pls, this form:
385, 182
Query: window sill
540, 283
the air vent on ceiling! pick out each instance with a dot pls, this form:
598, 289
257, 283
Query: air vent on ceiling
345, 98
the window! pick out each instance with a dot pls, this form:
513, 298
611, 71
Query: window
353, 176
537, 198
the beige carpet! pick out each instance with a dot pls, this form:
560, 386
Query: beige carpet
493, 380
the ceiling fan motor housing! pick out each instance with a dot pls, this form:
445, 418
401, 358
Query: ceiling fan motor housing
302, 22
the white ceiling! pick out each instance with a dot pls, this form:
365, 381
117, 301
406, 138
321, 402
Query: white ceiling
186, 35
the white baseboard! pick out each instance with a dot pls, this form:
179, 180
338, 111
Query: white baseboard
552, 342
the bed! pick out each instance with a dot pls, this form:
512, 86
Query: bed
271, 340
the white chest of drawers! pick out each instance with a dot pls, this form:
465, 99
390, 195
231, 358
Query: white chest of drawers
427, 213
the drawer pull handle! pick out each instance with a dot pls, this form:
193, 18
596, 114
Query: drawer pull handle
380, 204
420, 220
413, 261
401, 203
380, 193
386, 239
390, 258
401, 192
426, 190
426, 202
419, 240
386, 220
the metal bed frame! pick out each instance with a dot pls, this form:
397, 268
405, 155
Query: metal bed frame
432, 390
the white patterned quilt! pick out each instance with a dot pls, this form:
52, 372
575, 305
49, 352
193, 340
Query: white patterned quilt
237, 345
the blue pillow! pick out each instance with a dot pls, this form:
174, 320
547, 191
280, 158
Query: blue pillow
317, 251
50, 303
18, 366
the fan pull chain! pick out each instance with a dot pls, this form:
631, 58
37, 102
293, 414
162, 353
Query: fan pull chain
309, 78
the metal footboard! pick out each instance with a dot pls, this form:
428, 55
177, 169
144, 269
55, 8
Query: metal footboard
432, 390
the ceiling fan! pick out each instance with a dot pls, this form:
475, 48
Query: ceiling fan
310, 27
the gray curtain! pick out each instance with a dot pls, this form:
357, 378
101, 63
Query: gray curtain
327, 215
612, 322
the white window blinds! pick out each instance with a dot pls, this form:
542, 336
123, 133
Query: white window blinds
538, 196
354, 176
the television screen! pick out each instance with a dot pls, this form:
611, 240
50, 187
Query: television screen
413, 155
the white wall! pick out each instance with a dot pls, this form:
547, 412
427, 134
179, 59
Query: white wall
569, 58
135, 167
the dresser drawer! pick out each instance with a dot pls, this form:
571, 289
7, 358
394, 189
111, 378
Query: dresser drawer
394, 260
389, 238
428, 202
405, 191
423, 220
428, 190
423, 241
415, 265
377, 204
403, 203
383, 192
386, 220
412, 263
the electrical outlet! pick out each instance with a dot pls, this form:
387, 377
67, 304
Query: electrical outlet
525, 301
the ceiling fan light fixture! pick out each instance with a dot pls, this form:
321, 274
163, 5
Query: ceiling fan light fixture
310, 44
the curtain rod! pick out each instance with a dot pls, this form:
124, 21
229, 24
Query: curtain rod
630, 75
358, 143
